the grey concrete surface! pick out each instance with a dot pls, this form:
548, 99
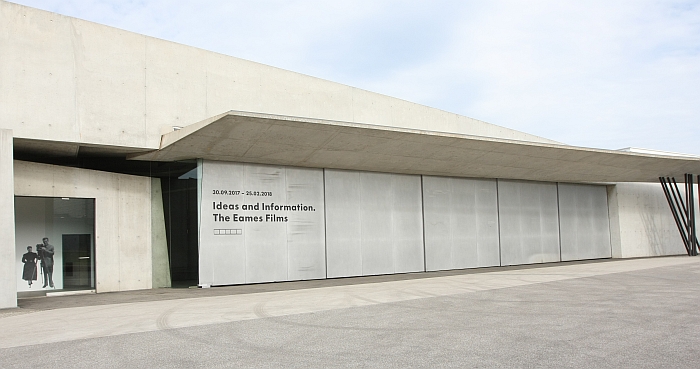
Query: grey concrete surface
159, 243
248, 137
641, 223
618, 314
8, 291
60, 74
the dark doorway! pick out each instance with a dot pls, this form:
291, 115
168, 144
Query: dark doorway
78, 261
180, 203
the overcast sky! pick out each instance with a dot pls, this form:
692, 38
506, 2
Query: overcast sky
607, 74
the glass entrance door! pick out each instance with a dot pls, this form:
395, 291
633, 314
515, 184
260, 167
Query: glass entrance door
77, 261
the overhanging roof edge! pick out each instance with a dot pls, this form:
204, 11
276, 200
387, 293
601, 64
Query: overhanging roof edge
498, 157
172, 137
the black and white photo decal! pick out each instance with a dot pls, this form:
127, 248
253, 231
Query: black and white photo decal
29, 260
54, 246
43, 259
46, 252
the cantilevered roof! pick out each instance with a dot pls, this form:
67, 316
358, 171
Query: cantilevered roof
283, 140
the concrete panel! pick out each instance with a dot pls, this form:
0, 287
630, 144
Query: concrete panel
343, 223
528, 222
159, 242
8, 289
461, 223
107, 236
110, 76
641, 222
232, 84
37, 73
373, 223
583, 222
274, 244
236, 84
122, 218
132, 254
176, 92
67, 79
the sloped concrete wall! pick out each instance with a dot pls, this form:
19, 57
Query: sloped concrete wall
65, 79
159, 242
123, 253
8, 289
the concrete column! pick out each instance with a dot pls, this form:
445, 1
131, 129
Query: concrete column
8, 277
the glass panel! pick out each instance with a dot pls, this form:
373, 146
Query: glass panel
180, 205
54, 243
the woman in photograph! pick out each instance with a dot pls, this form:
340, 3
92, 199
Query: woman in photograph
29, 260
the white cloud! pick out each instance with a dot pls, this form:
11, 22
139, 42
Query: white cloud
592, 73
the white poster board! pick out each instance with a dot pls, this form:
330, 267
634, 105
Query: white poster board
260, 223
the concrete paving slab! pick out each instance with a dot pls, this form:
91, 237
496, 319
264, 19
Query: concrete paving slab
633, 314
50, 326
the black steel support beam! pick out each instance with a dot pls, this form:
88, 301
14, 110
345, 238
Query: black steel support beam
690, 196
666, 185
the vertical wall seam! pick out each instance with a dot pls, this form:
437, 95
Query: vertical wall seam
145, 90
119, 228
286, 224
325, 225
422, 207
559, 220
359, 181
498, 223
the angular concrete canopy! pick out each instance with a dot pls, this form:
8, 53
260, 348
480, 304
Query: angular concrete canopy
283, 140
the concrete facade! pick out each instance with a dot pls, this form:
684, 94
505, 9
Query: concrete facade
389, 175
641, 222
8, 291
122, 218
159, 243
63, 82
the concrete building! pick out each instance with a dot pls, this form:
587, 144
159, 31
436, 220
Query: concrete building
147, 163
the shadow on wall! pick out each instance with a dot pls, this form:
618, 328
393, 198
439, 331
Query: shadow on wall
651, 228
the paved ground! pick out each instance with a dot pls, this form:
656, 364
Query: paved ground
631, 313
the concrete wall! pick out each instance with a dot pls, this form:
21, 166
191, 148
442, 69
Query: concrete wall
66, 79
122, 218
159, 242
641, 222
8, 288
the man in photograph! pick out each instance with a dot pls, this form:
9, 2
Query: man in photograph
46, 251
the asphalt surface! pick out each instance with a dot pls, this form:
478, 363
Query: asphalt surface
641, 318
